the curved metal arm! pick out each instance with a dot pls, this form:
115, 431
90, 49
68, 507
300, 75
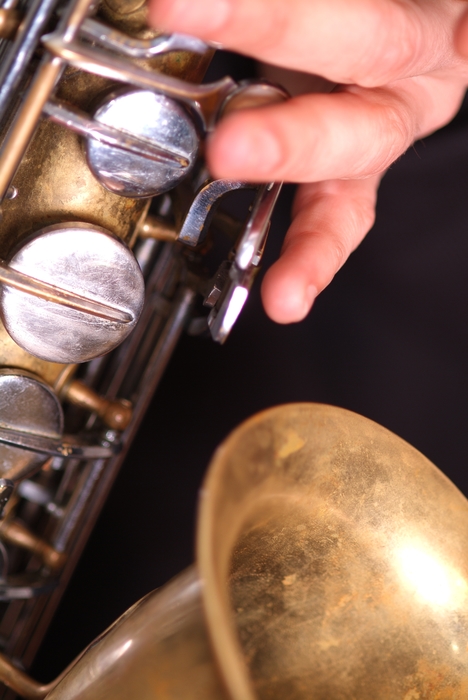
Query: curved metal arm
21, 683
112, 39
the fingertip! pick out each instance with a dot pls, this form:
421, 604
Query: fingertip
461, 36
243, 148
287, 299
226, 149
159, 13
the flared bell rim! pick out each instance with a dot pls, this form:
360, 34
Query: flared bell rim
213, 564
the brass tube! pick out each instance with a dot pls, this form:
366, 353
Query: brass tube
9, 23
26, 123
116, 414
21, 683
15, 533
152, 227
25, 126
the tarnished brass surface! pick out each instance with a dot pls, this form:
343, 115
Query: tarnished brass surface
65, 188
340, 554
331, 564
11, 355
131, 16
157, 649
54, 183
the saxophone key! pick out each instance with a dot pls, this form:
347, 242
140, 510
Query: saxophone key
82, 295
29, 408
116, 414
15, 533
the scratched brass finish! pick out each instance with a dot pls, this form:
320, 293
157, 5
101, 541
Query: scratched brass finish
11, 355
345, 552
157, 649
331, 564
54, 183
131, 16
49, 521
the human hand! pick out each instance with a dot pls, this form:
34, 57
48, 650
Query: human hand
461, 35
400, 79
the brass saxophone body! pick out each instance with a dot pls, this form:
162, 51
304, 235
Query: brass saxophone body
95, 289
331, 556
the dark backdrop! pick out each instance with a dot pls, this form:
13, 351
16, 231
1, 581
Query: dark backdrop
388, 339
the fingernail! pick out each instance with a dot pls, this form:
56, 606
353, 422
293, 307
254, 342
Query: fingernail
200, 17
309, 298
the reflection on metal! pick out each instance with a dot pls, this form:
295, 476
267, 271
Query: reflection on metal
72, 446
10, 20
324, 542
206, 99
199, 215
252, 241
210, 100
78, 121
91, 264
34, 492
154, 119
231, 302
26, 586
6, 490
234, 279
111, 38
49, 292
153, 227
16, 61
29, 410
230, 287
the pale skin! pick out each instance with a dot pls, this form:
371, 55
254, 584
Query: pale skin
401, 77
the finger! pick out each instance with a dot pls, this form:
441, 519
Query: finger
331, 220
354, 133
377, 40
461, 36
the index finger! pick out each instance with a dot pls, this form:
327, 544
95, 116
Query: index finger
364, 42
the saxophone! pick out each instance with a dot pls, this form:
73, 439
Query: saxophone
107, 213
331, 556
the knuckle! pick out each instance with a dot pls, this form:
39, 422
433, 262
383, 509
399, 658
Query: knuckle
364, 217
339, 251
266, 31
392, 129
397, 49
400, 131
342, 242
